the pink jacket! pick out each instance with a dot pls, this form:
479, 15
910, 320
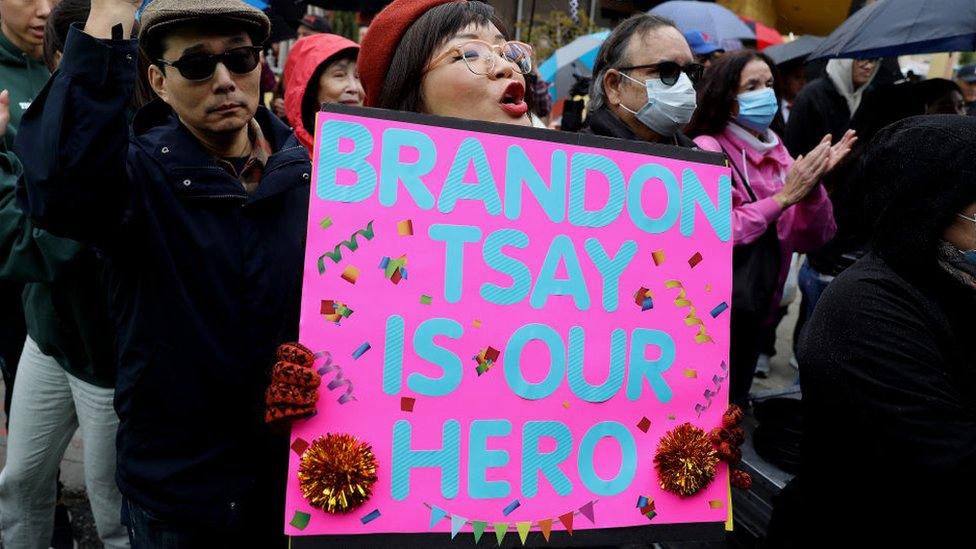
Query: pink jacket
801, 228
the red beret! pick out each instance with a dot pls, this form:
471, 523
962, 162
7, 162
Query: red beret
382, 39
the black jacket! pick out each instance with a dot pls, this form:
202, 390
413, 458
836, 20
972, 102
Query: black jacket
606, 123
889, 401
204, 280
818, 110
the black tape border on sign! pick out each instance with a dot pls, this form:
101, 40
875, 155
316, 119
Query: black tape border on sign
540, 134
631, 535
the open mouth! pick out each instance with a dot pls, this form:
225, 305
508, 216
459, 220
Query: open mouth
513, 100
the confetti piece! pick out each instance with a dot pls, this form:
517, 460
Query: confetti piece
406, 404
299, 446
658, 256
641, 501
716, 504
647, 508
395, 278
566, 404
671, 417
326, 222
300, 520
691, 374
350, 274
476, 323
708, 288
644, 299
335, 311
405, 228
486, 358
384, 262
362, 349
695, 260
426, 299
719, 309
691, 319
644, 424
352, 245
511, 507
650, 515
373, 515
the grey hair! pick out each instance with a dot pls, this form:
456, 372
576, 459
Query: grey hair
614, 49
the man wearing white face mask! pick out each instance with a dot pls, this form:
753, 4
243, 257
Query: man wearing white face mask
643, 83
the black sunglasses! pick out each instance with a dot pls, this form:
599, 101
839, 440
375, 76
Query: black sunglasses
669, 71
197, 67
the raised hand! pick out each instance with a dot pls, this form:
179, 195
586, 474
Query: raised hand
805, 174
4, 112
841, 149
105, 14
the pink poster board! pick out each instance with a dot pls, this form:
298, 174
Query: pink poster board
478, 293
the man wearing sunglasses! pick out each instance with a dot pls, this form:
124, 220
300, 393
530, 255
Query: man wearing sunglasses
643, 83
199, 209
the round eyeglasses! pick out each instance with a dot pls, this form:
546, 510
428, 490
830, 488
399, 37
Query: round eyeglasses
480, 56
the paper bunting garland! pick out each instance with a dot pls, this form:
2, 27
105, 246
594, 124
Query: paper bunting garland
682, 301
501, 528
456, 524
478, 527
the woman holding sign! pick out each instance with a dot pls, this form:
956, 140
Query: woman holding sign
447, 58
778, 204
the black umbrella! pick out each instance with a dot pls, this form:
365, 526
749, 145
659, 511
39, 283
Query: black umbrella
888, 28
796, 50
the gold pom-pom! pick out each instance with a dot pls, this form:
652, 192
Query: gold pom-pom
685, 460
337, 473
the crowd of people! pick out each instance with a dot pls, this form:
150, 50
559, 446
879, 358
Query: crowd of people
153, 211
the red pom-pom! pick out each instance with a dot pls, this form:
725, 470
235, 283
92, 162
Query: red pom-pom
732, 417
736, 436
740, 480
728, 453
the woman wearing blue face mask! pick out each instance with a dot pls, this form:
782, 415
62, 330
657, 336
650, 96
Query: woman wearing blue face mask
778, 205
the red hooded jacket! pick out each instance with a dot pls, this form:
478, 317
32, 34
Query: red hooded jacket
303, 60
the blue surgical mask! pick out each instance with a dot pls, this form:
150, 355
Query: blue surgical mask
757, 109
668, 108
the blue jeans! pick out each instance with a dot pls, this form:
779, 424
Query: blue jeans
812, 285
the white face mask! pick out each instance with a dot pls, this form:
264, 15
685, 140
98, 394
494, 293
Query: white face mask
668, 108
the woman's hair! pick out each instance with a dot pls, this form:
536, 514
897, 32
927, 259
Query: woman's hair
310, 100
69, 12
402, 90
718, 90
58, 24
917, 174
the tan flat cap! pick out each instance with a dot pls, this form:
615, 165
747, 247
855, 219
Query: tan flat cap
164, 13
